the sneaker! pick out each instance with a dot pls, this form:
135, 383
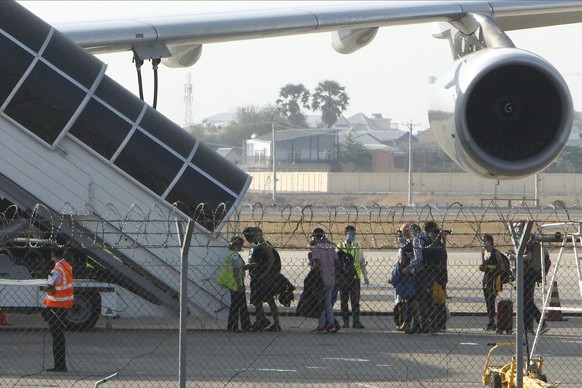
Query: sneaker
330, 328
490, 327
319, 330
274, 328
346, 324
262, 325
358, 325
405, 327
337, 326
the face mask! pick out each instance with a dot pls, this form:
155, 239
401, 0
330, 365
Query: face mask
351, 237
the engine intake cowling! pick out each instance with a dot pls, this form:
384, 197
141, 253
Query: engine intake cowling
501, 113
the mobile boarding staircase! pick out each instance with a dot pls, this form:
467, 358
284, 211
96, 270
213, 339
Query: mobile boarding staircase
72, 138
569, 234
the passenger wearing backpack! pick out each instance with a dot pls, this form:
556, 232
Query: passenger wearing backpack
491, 266
350, 288
404, 242
532, 274
424, 272
403, 282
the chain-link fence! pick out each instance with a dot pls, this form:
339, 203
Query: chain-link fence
127, 296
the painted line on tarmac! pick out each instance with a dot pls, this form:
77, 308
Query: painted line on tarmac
346, 359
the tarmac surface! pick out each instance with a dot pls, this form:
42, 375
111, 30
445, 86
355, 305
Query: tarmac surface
377, 356
145, 352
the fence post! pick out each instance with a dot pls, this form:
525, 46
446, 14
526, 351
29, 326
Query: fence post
185, 239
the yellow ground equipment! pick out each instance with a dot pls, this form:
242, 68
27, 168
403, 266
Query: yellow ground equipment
504, 376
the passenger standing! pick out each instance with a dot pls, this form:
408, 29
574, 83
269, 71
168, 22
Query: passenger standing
438, 265
59, 299
490, 260
404, 242
424, 280
403, 282
266, 267
325, 259
232, 277
532, 259
350, 290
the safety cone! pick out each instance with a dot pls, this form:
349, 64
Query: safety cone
4, 318
555, 315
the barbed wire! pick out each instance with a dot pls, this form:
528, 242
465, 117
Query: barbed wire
286, 226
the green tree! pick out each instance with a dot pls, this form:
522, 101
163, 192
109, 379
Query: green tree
293, 97
203, 131
353, 157
249, 120
331, 99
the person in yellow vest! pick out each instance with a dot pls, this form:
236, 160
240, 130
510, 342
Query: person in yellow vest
351, 290
59, 299
232, 277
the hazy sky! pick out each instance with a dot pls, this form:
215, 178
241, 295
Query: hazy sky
389, 76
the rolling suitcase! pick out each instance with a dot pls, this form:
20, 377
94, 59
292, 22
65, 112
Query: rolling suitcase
504, 316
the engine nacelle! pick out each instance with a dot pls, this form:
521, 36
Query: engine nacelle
501, 113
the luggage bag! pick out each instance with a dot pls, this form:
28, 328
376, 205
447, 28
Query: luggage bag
504, 316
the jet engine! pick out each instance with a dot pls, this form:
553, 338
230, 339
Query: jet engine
501, 113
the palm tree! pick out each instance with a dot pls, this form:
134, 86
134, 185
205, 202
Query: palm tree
293, 97
331, 99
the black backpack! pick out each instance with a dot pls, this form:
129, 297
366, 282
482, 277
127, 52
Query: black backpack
504, 268
536, 264
345, 269
547, 265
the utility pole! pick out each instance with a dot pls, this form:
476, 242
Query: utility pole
188, 101
537, 189
274, 161
410, 125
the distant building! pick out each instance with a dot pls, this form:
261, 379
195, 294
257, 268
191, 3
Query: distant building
299, 147
362, 123
232, 154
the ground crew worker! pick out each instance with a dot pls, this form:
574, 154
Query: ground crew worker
232, 277
59, 299
351, 290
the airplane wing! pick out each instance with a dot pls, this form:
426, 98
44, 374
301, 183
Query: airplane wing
167, 36
498, 111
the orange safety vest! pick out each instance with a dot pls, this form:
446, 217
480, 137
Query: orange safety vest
64, 292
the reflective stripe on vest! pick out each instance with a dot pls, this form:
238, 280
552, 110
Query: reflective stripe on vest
64, 293
356, 251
